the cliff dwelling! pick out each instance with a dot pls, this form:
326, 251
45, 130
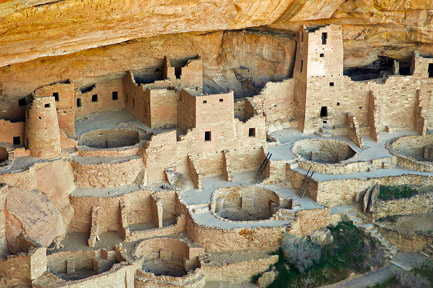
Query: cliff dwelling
278, 144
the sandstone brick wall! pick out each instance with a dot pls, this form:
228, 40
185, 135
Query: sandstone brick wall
218, 240
42, 128
194, 279
64, 94
238, 272
25, 180
353, 131
9, 130
103, 101
163, 107
135, 98
405, 241
418, 204
309, 220
107, 174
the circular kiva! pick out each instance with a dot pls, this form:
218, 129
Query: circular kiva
244, 203
110, 138
323, 150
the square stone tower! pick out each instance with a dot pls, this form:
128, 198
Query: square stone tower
318, 74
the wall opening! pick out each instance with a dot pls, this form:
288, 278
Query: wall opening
177, 72
331, 84
324, 111
115, 95
133, 102
221, 100
324, 38
22, 102
322, 55
78, 102
56, 96
204, 101
252, 132
4, 155
207, 136
47, 105
95, 98
430, 70
17, 140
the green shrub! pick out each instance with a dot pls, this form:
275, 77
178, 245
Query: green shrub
411, 280
396, 192
301, 253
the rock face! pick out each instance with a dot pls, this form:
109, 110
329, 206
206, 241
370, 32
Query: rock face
32, 213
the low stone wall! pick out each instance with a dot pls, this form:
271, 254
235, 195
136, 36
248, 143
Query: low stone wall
326, 168
405, 241
110, 152
237, 239
195, 279
310, 220
237, 272
417, 204
107, 174
410, 152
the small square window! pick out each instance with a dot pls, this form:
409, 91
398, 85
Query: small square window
331, 84
221, 100
78, 102
56, 96
115, 95
47, 105
22, 102
95, 98
252, 132
322, 55
338, 103
40, 118
204, 101
360, 107
207, 136
17, 140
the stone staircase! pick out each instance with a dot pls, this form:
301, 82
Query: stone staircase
428, 250
370, 230
285, 214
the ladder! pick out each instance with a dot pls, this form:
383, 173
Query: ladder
305, 182
263, 166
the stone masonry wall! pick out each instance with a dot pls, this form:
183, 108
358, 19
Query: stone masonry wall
418, 204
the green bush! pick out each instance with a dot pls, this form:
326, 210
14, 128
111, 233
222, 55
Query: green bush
396, 192
301, 253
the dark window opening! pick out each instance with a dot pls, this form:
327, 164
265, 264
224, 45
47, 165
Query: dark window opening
78, 102
338, 103
115, 95
207, 136
302, 65
324, 37
40, 118
324, 111
404, 68
331, 84
177, 72
22, 102
133, 102
322, 55
302, 37
430, 70
360, 107
17, 140
221, 100
47, 105
56, 96
204, 101
95, 98
252, 132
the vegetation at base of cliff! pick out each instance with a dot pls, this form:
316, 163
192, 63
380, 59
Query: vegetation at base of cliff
396, 192
421, 277
350, 252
